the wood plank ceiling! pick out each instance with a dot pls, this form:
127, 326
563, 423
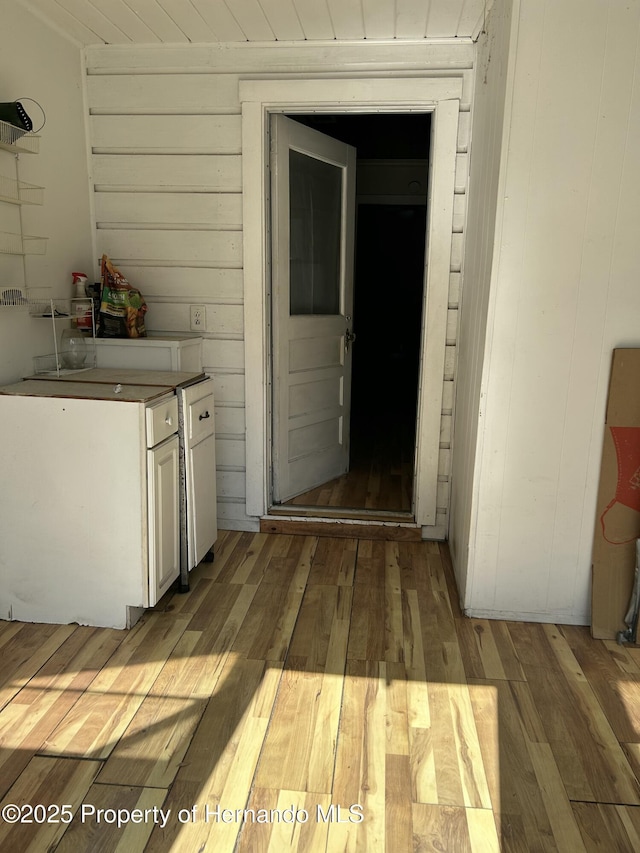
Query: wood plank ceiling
90, 22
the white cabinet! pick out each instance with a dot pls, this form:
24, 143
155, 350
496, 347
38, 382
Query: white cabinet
89, 505
155, 352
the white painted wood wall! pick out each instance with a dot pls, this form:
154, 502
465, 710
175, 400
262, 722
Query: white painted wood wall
488, 136
564, 293
165, 135
52, 75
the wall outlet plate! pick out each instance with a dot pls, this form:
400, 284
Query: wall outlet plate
198, 318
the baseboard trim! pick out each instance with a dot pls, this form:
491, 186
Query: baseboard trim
549, 618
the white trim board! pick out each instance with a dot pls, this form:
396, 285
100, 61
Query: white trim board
284, 57
545, 616
439, 95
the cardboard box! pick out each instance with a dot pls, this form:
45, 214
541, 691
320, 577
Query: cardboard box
618, 508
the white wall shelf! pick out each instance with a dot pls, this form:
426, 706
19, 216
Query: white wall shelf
22, 244
12, 297
43, 307
14, 191
14, 139
20, 192
73, 311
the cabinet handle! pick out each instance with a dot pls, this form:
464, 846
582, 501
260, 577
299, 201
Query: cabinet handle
168, 420
204, 417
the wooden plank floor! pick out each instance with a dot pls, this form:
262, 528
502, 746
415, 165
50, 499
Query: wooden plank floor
318, 694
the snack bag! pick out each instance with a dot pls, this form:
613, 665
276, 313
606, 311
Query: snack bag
122, 307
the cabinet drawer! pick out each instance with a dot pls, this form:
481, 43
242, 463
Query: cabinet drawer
200, 419
162, 420
198, 410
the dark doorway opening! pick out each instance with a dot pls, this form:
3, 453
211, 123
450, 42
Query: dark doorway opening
386, 360
391, 190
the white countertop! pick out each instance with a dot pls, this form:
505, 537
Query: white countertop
124, 393
124, 376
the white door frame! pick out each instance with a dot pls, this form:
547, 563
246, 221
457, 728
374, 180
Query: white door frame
437, 95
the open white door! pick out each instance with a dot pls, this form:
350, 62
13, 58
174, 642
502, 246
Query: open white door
313, 207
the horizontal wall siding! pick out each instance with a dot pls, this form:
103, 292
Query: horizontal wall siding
173, 95
213, 211
181, 134
166, 162
210, 172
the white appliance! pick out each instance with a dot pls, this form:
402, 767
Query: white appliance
94, 497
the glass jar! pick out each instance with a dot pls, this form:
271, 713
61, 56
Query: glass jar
73, 349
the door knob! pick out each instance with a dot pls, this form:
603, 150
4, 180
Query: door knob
349, 338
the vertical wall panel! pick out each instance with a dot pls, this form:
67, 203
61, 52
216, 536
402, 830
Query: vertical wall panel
487, 139
561, 300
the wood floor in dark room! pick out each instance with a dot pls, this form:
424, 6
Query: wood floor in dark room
334, 685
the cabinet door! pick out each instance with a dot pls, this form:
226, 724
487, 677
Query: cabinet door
202, 510
164, 518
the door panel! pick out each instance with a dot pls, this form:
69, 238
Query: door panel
200, 470
316, 436
319, 395
316, 352
164, 502
313, 207
201, 496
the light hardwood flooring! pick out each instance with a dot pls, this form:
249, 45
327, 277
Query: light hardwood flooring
332, 677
